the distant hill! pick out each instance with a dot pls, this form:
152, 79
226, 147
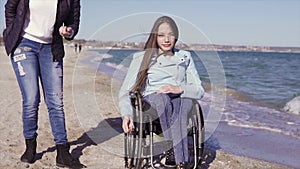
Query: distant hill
201, 47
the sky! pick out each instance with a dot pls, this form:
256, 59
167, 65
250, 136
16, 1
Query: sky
224, 22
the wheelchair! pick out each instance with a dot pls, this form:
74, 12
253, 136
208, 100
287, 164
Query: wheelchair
139, 145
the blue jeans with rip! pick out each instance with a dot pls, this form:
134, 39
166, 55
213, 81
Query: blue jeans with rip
172, 111
33, 62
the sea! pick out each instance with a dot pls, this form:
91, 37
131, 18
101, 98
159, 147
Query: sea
259, 86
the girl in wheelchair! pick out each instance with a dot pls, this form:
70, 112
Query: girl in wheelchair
168, 80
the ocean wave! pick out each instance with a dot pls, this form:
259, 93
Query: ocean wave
116, 67
238, 95
100, 57
229, 75
246, 114
251, 115
266, 128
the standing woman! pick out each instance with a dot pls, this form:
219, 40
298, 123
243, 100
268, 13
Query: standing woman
167, 79
34, 41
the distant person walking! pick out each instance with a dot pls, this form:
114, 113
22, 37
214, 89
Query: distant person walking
79, 47
75, 46
34, 41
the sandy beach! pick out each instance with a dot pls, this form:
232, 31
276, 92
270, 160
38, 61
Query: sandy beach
92, 120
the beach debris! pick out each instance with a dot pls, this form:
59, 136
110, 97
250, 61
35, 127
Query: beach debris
293, 106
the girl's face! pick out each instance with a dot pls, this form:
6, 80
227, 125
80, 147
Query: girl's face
165, 38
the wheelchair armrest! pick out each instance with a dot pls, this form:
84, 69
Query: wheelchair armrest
134, 95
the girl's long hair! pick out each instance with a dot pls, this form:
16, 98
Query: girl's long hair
151, 49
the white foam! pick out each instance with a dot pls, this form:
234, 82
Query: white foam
263, 128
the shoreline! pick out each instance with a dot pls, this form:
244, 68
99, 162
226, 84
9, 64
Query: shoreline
92, 120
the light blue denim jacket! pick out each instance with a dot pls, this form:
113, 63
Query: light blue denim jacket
176, 70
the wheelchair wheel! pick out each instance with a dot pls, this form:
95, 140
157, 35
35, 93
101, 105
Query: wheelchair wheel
133, 141
196, 132
129, 146
133, 150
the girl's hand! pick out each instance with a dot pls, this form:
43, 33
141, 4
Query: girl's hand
66, 31
168, 88
127, 125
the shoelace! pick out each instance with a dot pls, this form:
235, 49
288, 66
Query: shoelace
170, 154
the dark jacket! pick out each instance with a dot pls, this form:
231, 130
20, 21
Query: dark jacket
68, 13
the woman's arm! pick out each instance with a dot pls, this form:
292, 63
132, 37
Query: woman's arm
125, 106
73, 19
193, 87
124, 100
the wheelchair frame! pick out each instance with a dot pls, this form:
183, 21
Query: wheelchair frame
133, 142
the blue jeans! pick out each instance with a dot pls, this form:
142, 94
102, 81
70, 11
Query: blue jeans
173, 111
33, 61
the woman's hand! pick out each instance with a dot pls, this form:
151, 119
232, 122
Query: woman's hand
66, 31
168, 88
127, 125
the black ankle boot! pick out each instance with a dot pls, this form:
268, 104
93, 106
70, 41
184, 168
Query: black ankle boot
65, 159
170, 158
29, 154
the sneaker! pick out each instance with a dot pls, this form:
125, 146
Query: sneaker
183, 165
170, 158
